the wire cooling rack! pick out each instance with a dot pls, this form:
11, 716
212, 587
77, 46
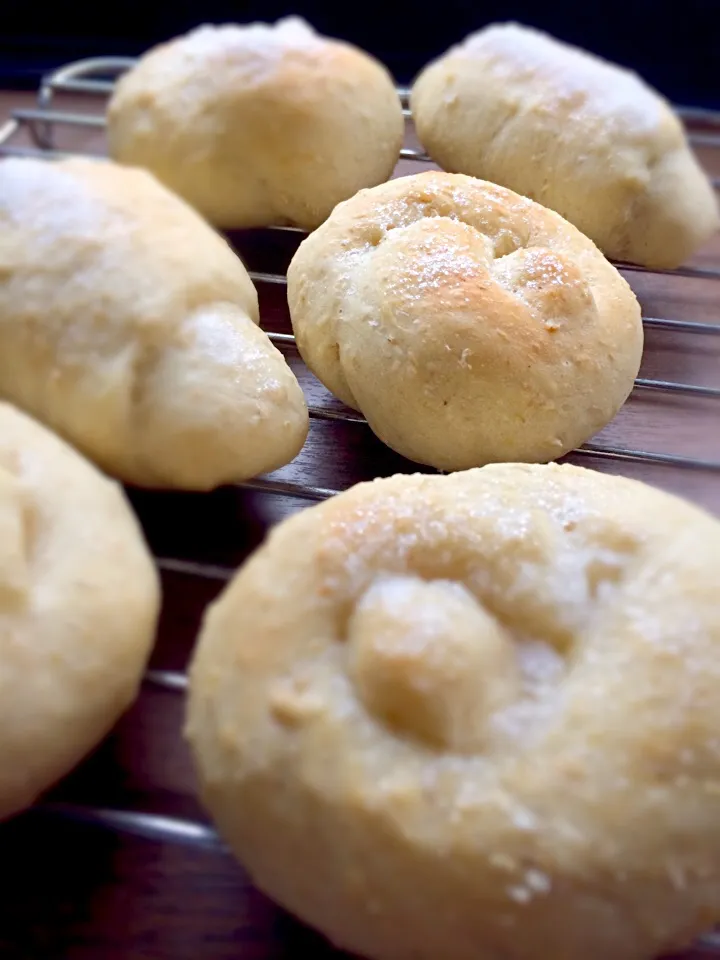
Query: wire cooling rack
36, 131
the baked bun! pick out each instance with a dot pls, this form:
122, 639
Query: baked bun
130, 327
259, 124
468, 324
579, 135
474, 716
79, 601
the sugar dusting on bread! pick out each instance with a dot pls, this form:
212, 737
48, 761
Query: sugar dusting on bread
574, 75
587, 138
494, 696
468, 324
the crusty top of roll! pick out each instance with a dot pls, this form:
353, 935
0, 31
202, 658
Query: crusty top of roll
257, 124
467, 323
474, 716
582, 136
129, 326
79, 599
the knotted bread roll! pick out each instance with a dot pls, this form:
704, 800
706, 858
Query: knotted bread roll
474, 716
130, 327
579, 135
259, 124
79, 600
468, 324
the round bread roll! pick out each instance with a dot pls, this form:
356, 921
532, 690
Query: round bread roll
468, 324
474, 716
130, 327
579, 135
79, 601
259, 124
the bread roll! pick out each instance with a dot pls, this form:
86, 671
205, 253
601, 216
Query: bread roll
79, 600
579, 135
468, 324
259, 124
130, 327
474, 716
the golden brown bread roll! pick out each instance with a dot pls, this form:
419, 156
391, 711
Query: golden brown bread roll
130, 327
474, 716
468, 324
579, 135
79, 599
259, 124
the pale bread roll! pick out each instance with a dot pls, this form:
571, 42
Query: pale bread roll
474, 716
468, 324
79, 599
579, 135
259, 124
130, 327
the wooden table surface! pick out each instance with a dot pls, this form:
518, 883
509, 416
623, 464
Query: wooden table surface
79, 888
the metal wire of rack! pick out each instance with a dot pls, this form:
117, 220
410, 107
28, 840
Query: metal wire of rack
96, 78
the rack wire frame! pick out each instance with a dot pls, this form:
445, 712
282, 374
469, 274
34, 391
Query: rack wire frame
96, 77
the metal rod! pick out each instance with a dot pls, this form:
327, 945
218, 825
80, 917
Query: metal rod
283, 339
30, 115
681, 326
705, 139
617, 453
288, 228
645, 456
97, 87
7, 130
43, 154
327, 413
699, 114
693, 273
591, 449
172, 680
276, 278
83, 71
409, 153
287, 488
669, 386
150, 826
77, 77
208, 571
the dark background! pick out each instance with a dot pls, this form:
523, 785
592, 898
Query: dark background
675, 45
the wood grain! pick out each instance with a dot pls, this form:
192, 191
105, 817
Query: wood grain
81, 892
